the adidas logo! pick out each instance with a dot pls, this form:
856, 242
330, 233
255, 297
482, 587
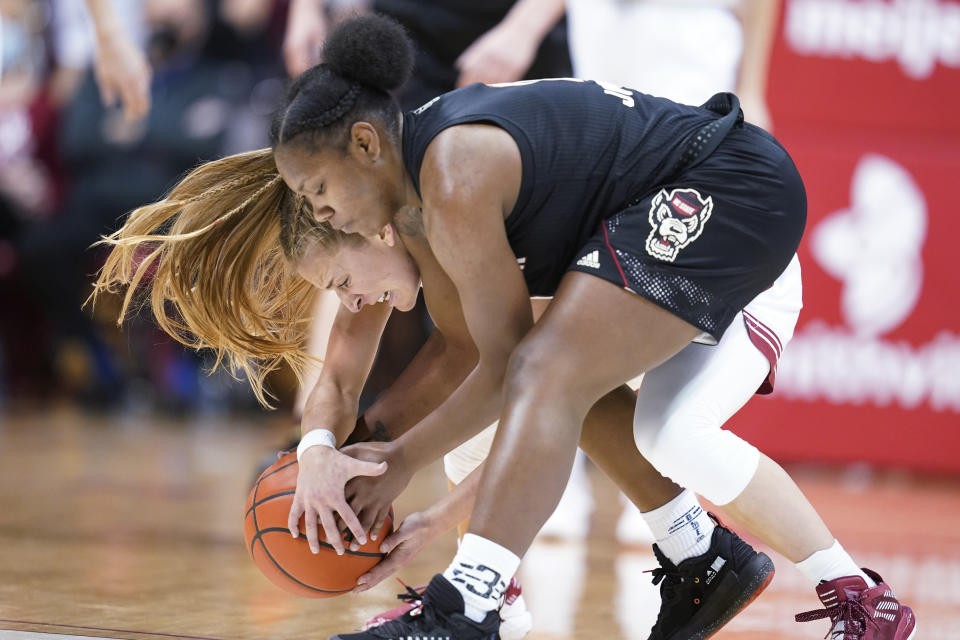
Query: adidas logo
886, 606
715, 568
591, 260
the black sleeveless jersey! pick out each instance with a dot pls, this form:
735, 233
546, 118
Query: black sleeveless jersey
587, 149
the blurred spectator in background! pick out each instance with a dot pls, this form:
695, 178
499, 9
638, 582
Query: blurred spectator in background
685, 50
128, 128
30, 183
109, 36
106, 102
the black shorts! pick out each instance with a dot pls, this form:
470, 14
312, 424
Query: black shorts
707, 243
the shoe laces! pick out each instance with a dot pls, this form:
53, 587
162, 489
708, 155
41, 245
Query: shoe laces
411, 619
669, 578
409, 593
668, 574
851, 612
408, 624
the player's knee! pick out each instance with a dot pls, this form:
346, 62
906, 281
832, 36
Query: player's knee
695, 452
525, 370
539, 369
645, 432
677, 441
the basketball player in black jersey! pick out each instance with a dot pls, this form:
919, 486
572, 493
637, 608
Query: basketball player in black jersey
651, 224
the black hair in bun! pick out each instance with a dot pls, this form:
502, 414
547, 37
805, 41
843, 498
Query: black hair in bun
365, 58
372, 49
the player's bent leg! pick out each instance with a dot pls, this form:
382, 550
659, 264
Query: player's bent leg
542, 417
678, 426
543, 413
515, 619
680, 411
607, 439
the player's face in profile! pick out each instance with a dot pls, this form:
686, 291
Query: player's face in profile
344, 189
371, 271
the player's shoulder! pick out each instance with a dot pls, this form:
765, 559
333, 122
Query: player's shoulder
468, 162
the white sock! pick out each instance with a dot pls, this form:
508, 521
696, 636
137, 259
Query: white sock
682, 528
481, 571
829, 564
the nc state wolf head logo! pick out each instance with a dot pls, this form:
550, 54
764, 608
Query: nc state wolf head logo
677, 219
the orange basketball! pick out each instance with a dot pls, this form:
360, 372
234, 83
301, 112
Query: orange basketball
288, 562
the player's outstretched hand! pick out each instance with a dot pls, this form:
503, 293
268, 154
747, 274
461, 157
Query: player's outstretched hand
323, 474
502, 54
123, 74
416, 531
371, 497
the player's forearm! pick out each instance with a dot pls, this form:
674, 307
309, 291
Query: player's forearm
436, 371
331, 406
474, 405
456, 506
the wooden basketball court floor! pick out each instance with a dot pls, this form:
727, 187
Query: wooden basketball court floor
132, 528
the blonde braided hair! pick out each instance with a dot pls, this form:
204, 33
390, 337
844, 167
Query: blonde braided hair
221, 250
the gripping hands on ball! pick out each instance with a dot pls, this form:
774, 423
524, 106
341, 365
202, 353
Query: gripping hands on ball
370, 497
323, 474
416, 531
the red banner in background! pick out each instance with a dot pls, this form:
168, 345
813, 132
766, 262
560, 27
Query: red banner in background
890, 64
864, 95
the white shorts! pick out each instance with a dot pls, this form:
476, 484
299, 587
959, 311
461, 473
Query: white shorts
769, 321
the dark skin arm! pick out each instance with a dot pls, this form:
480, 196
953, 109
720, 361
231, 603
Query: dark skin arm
437, 370
471, 179
423, 385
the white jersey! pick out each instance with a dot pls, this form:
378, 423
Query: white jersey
685, 51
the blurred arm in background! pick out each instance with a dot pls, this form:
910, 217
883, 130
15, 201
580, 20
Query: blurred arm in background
307, 24
121, 68
759, 21
306, 29
504, 53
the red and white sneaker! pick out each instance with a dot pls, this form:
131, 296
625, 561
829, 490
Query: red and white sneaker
861, 613
412, 603
515, 620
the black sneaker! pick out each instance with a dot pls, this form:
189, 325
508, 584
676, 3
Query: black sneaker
702, 594
439, 618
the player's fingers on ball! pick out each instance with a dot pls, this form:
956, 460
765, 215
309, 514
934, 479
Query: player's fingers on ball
378, 524
293, 518
376, 575
363, 468
367, 518
352, 522
310, 524
330, 531
392, 541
